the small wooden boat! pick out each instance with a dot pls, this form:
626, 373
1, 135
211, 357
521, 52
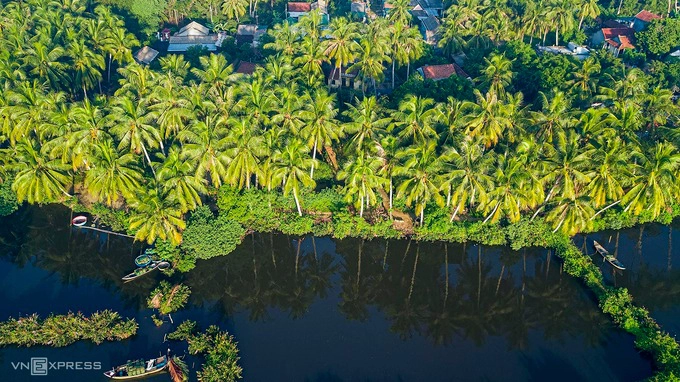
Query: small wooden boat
143, 260
139, 272
607, 256
79, 221
138, 369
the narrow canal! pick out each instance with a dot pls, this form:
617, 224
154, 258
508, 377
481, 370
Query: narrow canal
316, 309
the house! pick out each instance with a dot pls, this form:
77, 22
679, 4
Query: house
420, 14
193, 34
642, 19
249, 34
246, 68
615, 40
349, 79
578, 51
359, 9
296, 9
429, 27
146, 55
442, 72
431, 7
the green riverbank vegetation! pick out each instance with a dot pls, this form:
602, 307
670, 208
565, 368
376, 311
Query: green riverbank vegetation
159, 142
64, 330
219, 348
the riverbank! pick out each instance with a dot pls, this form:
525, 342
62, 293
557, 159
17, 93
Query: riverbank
326, 214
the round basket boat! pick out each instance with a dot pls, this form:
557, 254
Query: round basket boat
79, 221
163, 265
143, 260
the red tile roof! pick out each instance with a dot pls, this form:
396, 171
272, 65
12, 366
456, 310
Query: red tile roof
246, 67
621, 38
299, 7
647, 16
613, 32
440, 72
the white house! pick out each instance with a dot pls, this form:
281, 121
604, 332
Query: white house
193, 34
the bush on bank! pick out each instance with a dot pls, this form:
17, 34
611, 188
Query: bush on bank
63, 330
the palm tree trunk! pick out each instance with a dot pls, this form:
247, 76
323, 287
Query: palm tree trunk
108, 76
606, 208
391, 195
146, 155
618, 10
392, 73
297, 202
453, 216
361, 209
311, 172
492, 212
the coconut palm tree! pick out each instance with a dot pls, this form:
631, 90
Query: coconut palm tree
487, 119
369, 64
610, 171
362, 178
285, 38
509, 196
39, 178
289, 169
497, 74
585, 79
466, 175
589, 9
132, 125
244, 148
654, 180
46, 63
320, 128
400, 12
156, 215
204, 144
112, 175
234, 9
416, 119
554, 117
310, 61
178, 178
421, 169
341, 45
87, 66
367, 123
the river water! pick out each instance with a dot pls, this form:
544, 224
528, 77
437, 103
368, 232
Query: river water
316, 309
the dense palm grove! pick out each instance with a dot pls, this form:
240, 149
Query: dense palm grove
159, 142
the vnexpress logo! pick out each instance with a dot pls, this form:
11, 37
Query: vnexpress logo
39, 366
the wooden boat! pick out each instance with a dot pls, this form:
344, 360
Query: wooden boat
79, 221
139, 272
143, 260
138, 369
607, 256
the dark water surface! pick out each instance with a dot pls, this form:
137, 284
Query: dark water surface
315, 309
651, 254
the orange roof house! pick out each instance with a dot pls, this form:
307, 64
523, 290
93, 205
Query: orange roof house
615, 40
441, 72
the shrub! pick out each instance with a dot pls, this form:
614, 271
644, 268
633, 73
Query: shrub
8, 199
207, 236
169, 298
221, 355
